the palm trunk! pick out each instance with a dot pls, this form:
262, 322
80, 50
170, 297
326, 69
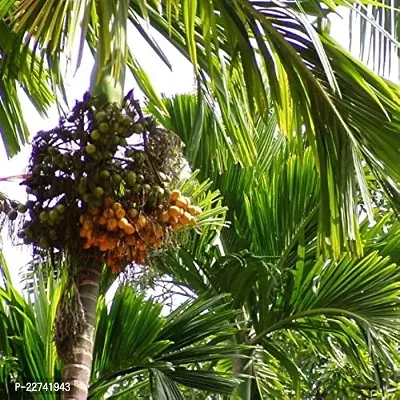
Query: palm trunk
76, 373
243, 365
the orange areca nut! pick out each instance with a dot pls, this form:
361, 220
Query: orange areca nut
88, 224
122, 223
112, 224
176, 227
182, 202
173, 221
112, 243
103, 246
141, 221
175, 194
108, 213
186, 218
116, 206
165, 216
151, 238
129, 229
174, 211
141, 245
197, 210
120, 213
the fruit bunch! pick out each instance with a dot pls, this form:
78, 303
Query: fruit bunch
124, 235
121, 233
105, 174
11, 208
180, 213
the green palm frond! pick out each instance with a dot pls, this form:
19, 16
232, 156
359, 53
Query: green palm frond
26, 338
162, 351
25, 70
185, 349
238, 49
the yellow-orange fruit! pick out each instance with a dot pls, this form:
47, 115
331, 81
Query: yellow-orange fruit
182, 202
112, 224
129, 229
103, 246
157, 244
141, 222
165, 216
191, 209
102, 220
120, 213
175, 194
141, 245
148, 227
176, 227
186, 218
112, 243
83, 218
122, 223
103, 238
88, 224
174, 211
96, 241
82, 232
197, 210
108, 213
173, 220
116, 206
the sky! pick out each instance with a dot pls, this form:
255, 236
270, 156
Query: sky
179, 80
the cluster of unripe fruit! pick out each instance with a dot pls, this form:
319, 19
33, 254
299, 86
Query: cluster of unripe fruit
124, 234
11, 208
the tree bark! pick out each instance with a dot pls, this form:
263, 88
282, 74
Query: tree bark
76, 373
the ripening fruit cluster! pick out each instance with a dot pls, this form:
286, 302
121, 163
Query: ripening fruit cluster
106, 172
180, 213
125, 235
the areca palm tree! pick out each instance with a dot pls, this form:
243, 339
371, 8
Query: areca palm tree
247, 56
300, 307
162, 356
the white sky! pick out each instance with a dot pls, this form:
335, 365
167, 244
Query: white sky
180, 80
